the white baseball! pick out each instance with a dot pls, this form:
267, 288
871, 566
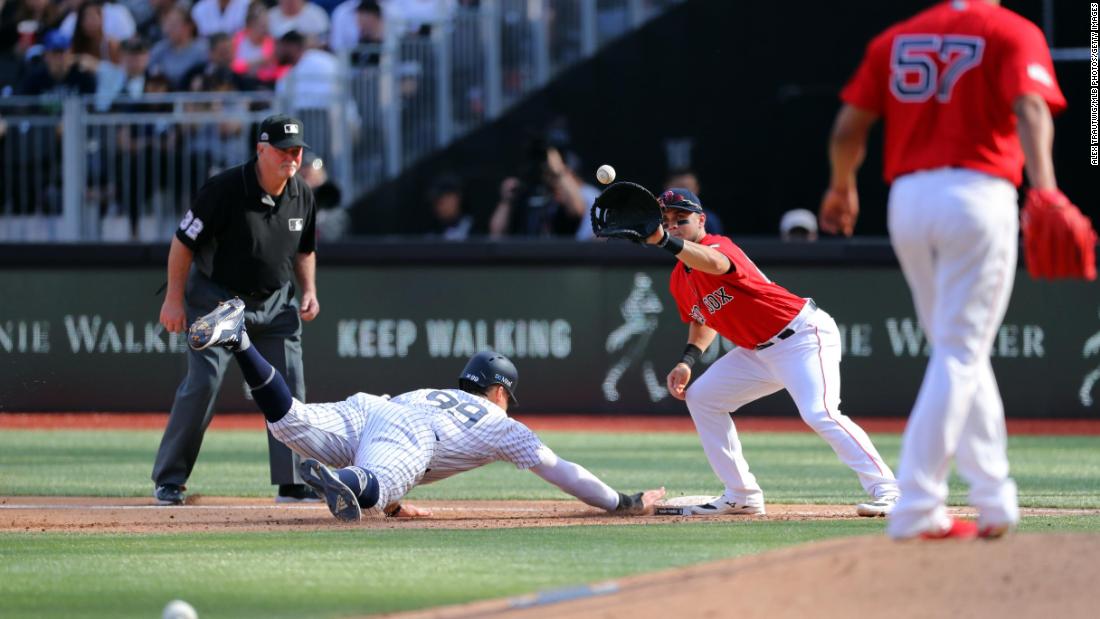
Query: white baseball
178, 609
605, 174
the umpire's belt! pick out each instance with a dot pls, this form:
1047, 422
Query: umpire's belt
793, 326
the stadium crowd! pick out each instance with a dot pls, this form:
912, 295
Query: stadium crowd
135, 46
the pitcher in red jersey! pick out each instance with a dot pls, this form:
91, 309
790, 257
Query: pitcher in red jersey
966, 90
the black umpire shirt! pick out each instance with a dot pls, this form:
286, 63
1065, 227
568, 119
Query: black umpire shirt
245, 239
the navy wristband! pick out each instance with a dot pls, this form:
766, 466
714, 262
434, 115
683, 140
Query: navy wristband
671, 244
692, 353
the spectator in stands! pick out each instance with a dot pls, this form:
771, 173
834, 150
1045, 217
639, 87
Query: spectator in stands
344, 34
686, 178
254, 48
144, 151
314, 74
546, 199
130, 81
23, 23
140, 11
214, 147
118, 24
59, 72
90, 45
325, 192
214, 16
179, 53
149, 25
220, 64
332, 220
306, 18
445, 197
358, 23
798, 225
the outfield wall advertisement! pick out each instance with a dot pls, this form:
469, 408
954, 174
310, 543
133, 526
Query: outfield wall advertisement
586, 340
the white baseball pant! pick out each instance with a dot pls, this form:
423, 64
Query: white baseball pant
394, 442
807, 365
955, 234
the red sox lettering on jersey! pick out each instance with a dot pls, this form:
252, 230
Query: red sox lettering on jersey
743, 305
714, 302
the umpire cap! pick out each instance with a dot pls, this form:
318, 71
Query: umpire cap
282, 131
488, 368
678, 197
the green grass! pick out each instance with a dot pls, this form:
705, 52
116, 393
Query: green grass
348, 572
1051, 471
352, 571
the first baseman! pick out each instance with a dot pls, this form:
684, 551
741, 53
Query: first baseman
966, 90
382, 447
784, 342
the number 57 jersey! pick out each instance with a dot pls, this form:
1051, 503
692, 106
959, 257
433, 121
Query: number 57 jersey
945, 81
470, 431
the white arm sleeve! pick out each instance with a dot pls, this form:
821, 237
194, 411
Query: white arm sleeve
576, 480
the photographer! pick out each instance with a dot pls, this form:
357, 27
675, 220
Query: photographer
546, 199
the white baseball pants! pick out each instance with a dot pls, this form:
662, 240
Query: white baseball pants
394, 442
807, 365
955, 234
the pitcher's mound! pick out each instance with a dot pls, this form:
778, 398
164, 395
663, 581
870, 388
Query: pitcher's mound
1032, 575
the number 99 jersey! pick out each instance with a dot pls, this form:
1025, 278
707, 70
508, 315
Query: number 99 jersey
471, 431
946, 79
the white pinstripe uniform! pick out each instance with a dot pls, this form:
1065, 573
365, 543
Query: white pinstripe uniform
415, 438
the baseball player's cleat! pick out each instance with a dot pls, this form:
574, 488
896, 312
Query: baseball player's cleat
221, 327
959, 529
722, 507
994, 531
297, 493
169, 494
879, 507
342, 502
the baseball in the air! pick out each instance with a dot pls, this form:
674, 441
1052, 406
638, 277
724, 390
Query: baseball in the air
178, 609
605, 174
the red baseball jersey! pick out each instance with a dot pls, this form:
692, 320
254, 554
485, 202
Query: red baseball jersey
945, 81
744, 306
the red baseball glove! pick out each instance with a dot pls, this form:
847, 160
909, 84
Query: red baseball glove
1059, 241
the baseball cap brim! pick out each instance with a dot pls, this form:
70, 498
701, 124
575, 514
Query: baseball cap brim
288, 141
684, 206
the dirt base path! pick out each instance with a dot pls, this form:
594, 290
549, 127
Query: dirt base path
221, 514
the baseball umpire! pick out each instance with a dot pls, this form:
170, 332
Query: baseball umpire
249, 234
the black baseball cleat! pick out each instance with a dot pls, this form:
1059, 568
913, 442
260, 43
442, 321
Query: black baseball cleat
297, 493
221, 327
342, 502
169, 494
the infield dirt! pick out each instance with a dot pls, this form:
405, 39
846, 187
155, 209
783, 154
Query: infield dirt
1021, 575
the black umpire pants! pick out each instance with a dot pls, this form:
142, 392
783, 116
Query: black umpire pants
275, 328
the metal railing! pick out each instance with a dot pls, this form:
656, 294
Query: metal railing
77, 169
121, 174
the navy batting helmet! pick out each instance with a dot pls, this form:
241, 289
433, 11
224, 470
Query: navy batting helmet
489, 368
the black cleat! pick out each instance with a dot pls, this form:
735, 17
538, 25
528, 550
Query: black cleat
341, 501
169, 494
297, 493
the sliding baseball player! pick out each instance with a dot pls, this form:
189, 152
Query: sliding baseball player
381, 448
